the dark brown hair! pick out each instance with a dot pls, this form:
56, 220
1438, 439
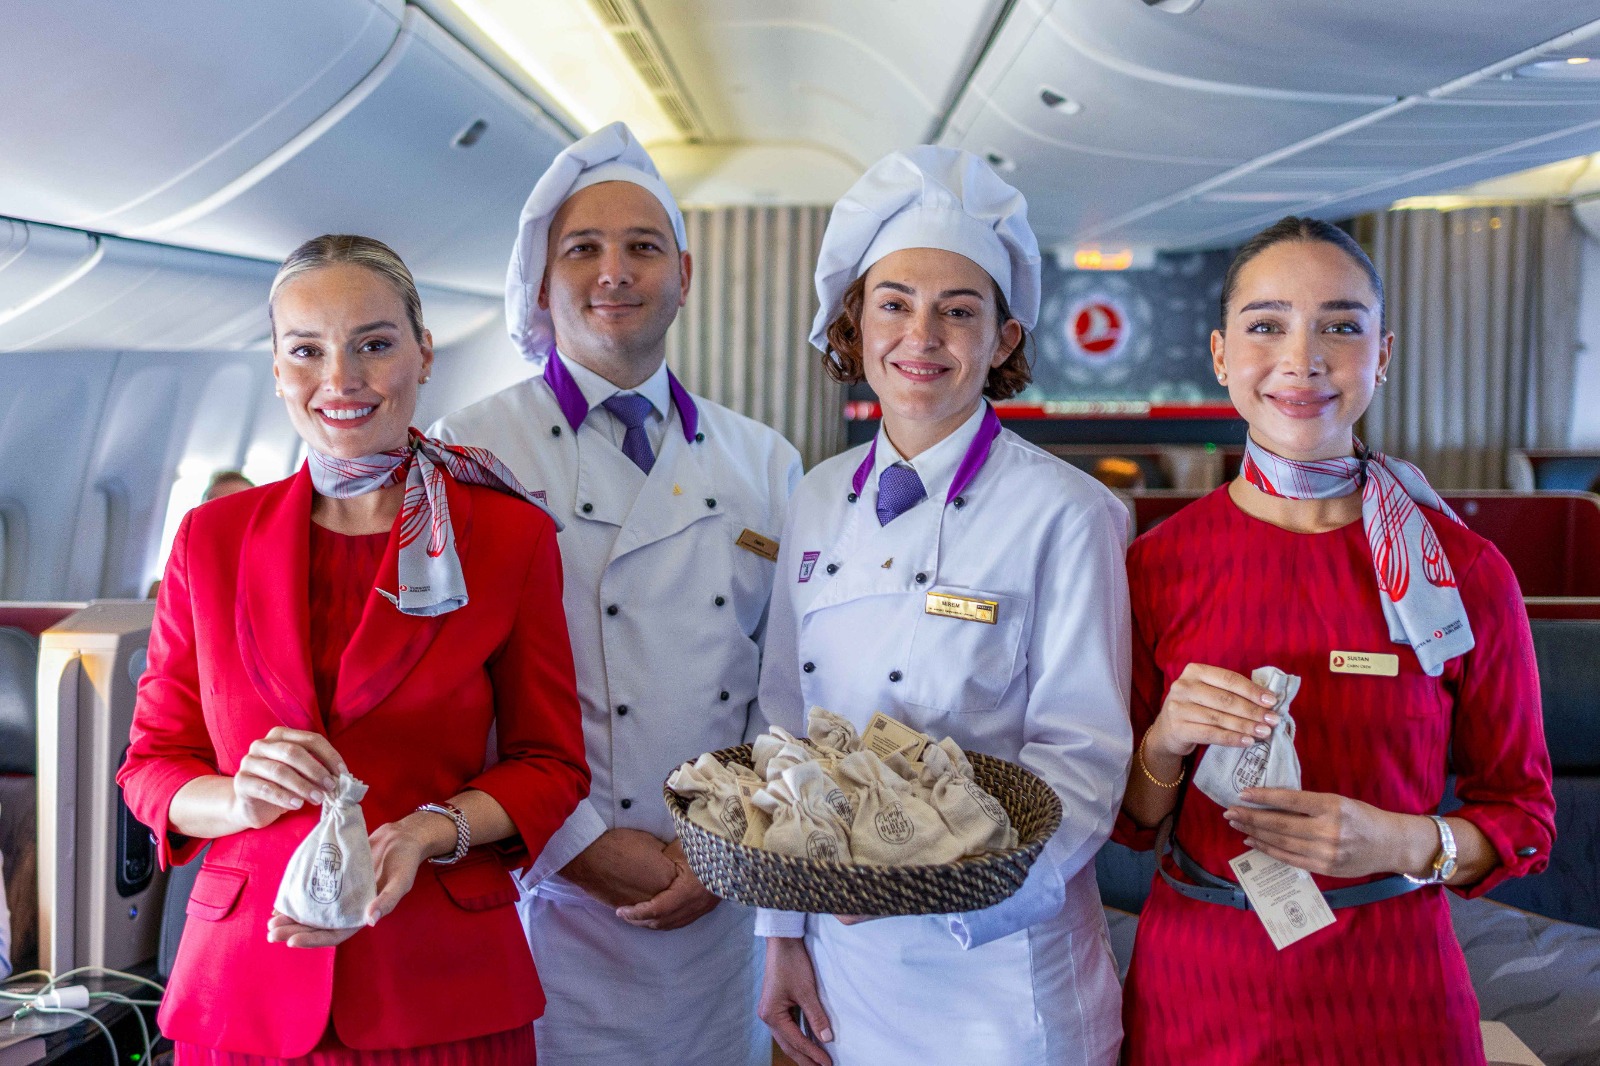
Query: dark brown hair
1293, 228
842, 360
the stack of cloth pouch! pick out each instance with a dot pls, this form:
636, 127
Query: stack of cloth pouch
810, 816
973, 817
721, 798
892, 826
1271, 762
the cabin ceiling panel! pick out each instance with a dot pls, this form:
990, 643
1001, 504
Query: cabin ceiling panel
1381, 47
860, 79
118, 114
392, 166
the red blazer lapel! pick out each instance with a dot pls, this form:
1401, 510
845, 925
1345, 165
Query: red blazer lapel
272, 614
387, 643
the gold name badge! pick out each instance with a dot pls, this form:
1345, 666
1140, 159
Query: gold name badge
963, 607
1362, 662
751, 541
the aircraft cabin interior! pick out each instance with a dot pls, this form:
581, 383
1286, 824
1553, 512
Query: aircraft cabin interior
159, 161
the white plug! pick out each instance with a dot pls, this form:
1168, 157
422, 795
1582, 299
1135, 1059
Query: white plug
68, 997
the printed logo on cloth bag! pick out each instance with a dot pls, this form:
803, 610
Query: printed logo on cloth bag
893, 825
987, 803
808, 563
1253, 767
326, 878
839, 803
733, 817
822, 847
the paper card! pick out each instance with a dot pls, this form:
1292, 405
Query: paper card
1285, 898
885, 737
965, 608
1364, 662
751, 541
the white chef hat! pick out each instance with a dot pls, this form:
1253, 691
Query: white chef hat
929, 197
608, 154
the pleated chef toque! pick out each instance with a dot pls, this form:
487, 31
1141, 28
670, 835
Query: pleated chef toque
929, 197
608, 154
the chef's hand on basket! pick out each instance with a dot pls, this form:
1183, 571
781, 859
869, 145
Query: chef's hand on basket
682, 902
790, 988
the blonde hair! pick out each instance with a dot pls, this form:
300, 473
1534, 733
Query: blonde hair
366, 252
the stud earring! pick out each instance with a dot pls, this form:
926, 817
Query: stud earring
278, 393
1382, 378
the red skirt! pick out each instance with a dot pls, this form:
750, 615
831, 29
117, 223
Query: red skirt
514, 1047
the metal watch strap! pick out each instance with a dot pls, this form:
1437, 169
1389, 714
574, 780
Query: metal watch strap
1444, 866
463, 830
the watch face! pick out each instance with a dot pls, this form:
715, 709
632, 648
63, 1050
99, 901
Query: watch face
1447, 868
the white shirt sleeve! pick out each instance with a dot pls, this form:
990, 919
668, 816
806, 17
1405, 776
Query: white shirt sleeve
1077, 735
583, 827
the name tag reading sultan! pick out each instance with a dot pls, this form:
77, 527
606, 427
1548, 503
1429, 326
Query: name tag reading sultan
751, 541
963, 607
1363, 662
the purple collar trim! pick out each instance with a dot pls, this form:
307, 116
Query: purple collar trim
569, 397
971, 463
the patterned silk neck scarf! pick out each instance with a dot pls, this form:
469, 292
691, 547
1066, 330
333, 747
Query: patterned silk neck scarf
1418, 589
431, 581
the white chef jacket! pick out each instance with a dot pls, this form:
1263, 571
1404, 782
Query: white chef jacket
1046, 686
666, 614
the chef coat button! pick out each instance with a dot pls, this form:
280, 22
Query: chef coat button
699, 438
1527, 852
612, 609
586, 508
851, 498
922, 579
833, 568
895, 675
622, 709
710, 502
960, 502
808, 667
555, 431
720, 600
723, 696
626, 804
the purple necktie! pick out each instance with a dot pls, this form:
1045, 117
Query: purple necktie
631, 410
899, 489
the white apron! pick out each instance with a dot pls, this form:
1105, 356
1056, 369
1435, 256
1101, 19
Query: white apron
1046, 685
666, 615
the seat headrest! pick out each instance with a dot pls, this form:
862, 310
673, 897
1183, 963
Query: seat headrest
1569, 679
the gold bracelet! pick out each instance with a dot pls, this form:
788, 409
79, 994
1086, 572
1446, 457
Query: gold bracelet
1146, 770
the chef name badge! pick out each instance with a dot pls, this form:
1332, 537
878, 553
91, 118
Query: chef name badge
751, 541
1364, 662
965, 608
1284, 897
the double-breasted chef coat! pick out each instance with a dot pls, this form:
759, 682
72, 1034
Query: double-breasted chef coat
666, 613
1030, 981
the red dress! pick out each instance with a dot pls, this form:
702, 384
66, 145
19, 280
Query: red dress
1386, 984
343, 569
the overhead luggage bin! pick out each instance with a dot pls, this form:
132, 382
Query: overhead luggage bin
433, 154
168, 102
71, 291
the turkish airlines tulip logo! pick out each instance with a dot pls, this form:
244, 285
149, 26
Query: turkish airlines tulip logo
1099, 329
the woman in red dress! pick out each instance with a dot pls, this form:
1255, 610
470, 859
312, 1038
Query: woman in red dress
1322, 548
381, 611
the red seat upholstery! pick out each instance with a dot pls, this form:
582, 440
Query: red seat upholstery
1551, 539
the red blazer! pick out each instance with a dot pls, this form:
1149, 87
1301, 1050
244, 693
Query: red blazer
415, 702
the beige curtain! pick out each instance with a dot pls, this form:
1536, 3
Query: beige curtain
1483, 303
741, 340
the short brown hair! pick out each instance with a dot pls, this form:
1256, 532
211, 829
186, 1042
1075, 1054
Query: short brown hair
842, 360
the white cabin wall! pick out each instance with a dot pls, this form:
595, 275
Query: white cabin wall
479, 365
1586, 387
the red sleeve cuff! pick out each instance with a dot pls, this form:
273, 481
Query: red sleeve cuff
1521, 842
538, 800
149, 790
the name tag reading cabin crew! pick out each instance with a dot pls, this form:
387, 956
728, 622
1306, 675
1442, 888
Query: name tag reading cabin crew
1363, 662
965, 608
751, 541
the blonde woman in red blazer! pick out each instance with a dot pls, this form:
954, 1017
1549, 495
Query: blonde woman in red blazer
385, 610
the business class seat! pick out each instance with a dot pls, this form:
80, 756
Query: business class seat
19, 667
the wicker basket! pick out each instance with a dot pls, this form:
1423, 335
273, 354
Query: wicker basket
761, 878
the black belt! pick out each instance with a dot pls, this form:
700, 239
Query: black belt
1209, 888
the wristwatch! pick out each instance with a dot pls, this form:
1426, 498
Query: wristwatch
464, 832
1444, 865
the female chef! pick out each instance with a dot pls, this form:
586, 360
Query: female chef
963, 581
1342, 566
